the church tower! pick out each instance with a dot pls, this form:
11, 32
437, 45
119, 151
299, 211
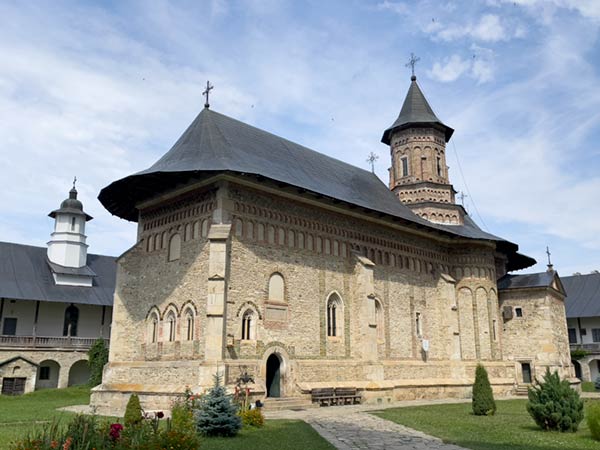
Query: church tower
67, 249
419, 174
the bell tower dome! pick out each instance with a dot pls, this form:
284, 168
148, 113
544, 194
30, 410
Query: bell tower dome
419, 174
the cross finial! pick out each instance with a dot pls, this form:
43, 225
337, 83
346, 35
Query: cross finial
548, 253
74, 181
206, 93
411, 62
462, 198
371, 160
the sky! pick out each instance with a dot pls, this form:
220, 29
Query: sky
100, 90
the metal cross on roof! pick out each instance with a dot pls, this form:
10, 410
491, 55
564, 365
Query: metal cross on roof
548, 253
411, 62
462, 198
371, 160
74, 181
206, 93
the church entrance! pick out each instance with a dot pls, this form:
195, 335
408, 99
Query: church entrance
273, 376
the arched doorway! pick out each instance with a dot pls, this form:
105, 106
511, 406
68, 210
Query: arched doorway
79, 373
273, 376
47, 375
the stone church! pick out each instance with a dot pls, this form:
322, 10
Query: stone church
256, 254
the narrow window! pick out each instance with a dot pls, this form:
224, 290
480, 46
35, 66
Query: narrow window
331, 319
596, 334
494, 330
172, 324
154, 330
9, 328
71, 320
519, 312
572, 336
189, 326
404, 166
247, 326
419, 324
439, 166
72, 223
379, 321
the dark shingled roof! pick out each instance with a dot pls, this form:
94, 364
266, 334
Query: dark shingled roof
583, 295
215, 143
416, 112
528, 280
25, 274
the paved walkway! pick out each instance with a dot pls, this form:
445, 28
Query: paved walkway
352, 427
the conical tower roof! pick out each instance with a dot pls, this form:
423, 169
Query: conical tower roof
416, 112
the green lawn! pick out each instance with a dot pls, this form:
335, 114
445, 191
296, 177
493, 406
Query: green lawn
18, 414
18, 417
510, 429
588, 386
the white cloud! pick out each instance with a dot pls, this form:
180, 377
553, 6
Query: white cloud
396, 7
589, 9
451, 68
488, 29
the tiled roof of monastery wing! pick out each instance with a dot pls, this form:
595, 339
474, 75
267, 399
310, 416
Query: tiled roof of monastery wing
215, 143
25, 274
416, 111
528, 280
583, 295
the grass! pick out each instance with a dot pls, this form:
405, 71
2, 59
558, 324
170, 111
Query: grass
588, 386
276, 435
20, 415
511, 428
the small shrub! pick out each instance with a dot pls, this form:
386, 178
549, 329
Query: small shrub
133, 411
483, 397
177, 440
182, 418
253, 418
553, 405
97, 358
597, 383
592, 413
216, 414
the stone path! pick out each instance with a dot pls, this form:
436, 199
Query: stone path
352, 427
365, 431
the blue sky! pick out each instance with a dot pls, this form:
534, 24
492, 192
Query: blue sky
102, 89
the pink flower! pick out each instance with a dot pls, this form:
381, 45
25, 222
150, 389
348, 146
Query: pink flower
115, 431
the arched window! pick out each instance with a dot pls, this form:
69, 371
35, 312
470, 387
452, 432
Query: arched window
271, 234
187, 232
248, 326
205, 226
335, 315
291, 238
175, 247
300, 240
171, 326
379, 321
189, 324
153, 327
196, 230
71, 320
276, 288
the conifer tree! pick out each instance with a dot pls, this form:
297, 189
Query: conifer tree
483, 397
133, 411
216, 414
554, 405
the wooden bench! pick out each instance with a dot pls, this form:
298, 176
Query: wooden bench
323, 396
347, 396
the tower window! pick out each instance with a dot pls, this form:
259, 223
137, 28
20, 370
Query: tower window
404, 166
439, 166
72, 223
519, 312
71, 321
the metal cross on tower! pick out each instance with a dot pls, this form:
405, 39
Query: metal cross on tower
371, 160
462, 198
206, 93
411, 62
74, 181
548, 253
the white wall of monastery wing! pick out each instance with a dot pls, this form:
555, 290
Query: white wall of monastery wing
51, 318
588, 325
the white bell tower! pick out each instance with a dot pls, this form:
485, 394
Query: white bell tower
67, 250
